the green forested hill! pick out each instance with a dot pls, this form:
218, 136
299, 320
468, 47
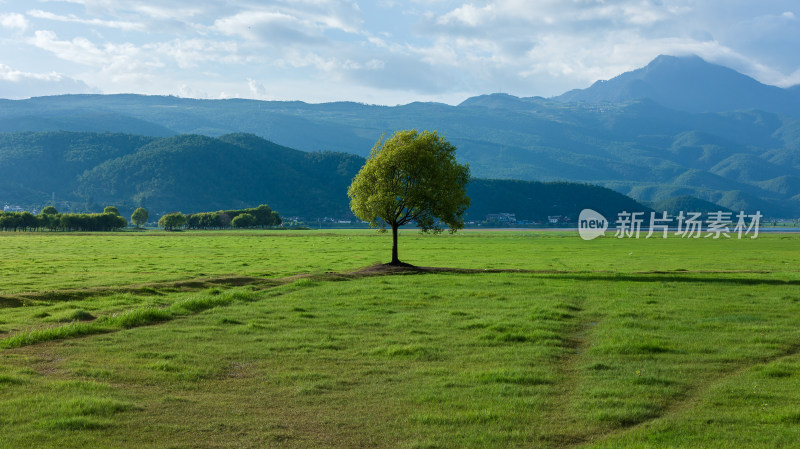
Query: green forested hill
192, 173
195, 173
37, 165
531, 200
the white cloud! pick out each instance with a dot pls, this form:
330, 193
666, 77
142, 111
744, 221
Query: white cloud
190, 53
14, 22
417, 49
549, 46
9, 74
296, 23
269, 26
792, 79
161, 11
258, 90
79, 50
122, 25
113, 63
154, 9
83, 51
468, 15
558, 13
16, 84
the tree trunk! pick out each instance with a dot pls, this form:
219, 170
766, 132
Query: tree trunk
395, 260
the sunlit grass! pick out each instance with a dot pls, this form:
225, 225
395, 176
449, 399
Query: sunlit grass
41, 262
607, 352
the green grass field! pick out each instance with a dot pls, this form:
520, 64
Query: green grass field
282, 339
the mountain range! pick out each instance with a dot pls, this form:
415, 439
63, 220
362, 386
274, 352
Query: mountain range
679, 126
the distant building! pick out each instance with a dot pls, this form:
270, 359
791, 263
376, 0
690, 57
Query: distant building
502, 218
8, 208
554, 219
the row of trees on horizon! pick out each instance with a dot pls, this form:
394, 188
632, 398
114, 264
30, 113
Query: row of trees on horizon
257, 217
49, 219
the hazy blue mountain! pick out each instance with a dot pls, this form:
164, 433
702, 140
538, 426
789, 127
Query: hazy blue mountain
648, 148
783, 185
686, 203
690, 84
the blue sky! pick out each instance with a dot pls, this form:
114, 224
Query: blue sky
378, 52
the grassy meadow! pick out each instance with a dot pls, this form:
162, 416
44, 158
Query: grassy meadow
295, 339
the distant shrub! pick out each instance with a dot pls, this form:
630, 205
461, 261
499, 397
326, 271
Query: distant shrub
244, 221
172, 221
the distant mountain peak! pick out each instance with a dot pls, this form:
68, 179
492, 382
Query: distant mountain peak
491, 100
671, 59
689, 83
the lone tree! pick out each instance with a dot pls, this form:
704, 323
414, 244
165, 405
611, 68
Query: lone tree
139, 216
411, 177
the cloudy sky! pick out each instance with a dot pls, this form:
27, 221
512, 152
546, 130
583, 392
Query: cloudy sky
380, 51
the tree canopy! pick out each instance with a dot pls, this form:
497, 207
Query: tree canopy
243, 221
139, 216
172, 221
26, 221
262, 216
411, 177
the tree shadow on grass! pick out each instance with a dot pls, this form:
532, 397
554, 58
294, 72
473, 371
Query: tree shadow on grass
701, 277
709, 278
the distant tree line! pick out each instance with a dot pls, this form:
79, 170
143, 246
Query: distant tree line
258, 217
50, 220
111, 220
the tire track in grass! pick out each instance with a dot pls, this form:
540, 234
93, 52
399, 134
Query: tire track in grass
154, 315
695, 395
569, 431
125, 320
157, 288
32, 298
579, 434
